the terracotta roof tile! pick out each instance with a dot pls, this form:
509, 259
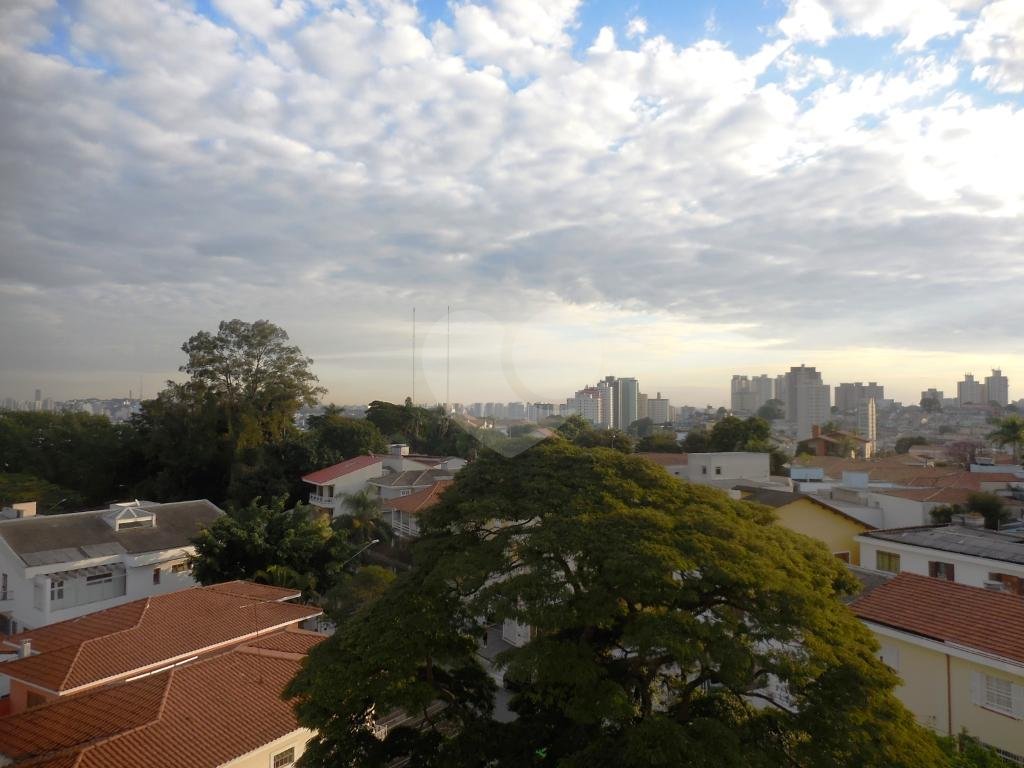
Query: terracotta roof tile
257, 591
341, 469
200, 715
420, 500
169, 627
987, 621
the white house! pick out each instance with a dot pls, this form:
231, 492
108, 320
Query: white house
718, 468
332, 484
402, 512
407, 483
965, 554
58, 567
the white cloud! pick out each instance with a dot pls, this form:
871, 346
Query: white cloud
637, 27
359, 165
262, 17
996, 44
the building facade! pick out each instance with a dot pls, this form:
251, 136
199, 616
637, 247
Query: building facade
808, 400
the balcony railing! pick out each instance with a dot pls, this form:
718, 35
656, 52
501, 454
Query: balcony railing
321, 501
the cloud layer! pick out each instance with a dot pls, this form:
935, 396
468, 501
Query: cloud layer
331, 166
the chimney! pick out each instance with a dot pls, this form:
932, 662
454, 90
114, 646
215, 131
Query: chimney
25, 650
815, 430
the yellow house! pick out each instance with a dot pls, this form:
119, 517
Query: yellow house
812, 517
959, 651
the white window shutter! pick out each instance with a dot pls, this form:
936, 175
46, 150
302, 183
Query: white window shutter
976, 688
1018, 701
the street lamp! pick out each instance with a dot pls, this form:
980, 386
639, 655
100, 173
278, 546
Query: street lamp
357, 554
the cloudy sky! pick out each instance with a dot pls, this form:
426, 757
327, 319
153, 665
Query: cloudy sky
677, 191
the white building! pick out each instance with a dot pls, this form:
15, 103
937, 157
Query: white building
997, 388
59, 567
727, 468
332, 484
659, 409
970, 391
965, 554
867, 425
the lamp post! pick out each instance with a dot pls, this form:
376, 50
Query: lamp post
361, 550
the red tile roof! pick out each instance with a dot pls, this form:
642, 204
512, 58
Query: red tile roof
145, 634
939, 495
200, 715
341, 469
666, 459
986, 621
417, 502
251, 589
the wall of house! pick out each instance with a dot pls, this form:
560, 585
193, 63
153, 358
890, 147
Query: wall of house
923, 675
898, 512
727, 466
263, 757
973, 571
834, 531
994, 728
347, 485
20, 693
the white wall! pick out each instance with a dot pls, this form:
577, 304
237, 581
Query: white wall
967, 569
740, 465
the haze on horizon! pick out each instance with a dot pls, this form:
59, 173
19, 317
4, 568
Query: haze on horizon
676, 194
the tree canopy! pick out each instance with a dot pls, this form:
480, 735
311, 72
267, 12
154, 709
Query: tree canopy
1009, 431
673, 626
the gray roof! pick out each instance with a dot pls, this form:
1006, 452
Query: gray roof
962, 539
51, 539
869, 581
413, 478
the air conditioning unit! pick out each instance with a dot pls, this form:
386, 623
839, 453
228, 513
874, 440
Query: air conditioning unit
995, 586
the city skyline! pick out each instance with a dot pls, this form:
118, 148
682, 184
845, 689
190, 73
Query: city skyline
681, 191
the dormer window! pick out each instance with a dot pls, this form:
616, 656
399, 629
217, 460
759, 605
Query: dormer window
148, 522
127, 518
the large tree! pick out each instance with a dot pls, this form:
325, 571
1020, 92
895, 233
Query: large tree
1009, 431
673, 627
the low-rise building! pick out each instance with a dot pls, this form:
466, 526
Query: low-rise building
959, 653
402, 512
222, 710
965, 554
58, 567
407, 483
331, 485
143, 637
721, 469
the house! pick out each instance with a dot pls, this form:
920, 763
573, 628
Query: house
962, 553
674, 463
331, 484
834, 443
959, 653
407, 483
58, 567
725, 469
812, 517
221, 710
399, 459
402, 512
142, 637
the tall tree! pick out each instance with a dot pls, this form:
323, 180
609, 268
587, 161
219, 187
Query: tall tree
1009, 431
662, 613
361, 520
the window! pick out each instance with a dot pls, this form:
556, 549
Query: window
887, 561
179, 567
56, 590
939, 570
3, 586
99, 578
703, 470
126, 524
718, 470
997, 694
1012, 584
330, 491
156, 575
282, 759
844, 556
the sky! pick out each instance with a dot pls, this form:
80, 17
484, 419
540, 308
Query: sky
677, 191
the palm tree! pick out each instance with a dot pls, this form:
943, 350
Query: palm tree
283, 576
361, 520
1009, 431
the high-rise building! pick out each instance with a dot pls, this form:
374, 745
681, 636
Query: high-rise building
850, 396
997, 388
39, 395
867, 425
970, 391
933, 394
659, 410
641, 405
629, 395
808, 400
751, 392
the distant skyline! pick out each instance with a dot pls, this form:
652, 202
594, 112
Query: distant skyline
673, 191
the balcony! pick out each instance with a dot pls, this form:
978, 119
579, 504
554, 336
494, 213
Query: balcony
321, 501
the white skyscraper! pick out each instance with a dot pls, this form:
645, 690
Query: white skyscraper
971, 391
867, 425
997, 387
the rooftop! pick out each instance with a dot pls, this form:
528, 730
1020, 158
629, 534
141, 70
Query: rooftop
962, 539
775, 499
420, 500
413, 478
150, 633
947, 612
341, 469
67, 538
200, 715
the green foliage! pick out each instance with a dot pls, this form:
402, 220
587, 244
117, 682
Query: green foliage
355, 591
944, 514
1009, 431
660, 608
641, 428
660, 442
965, 751
49, 498
581, 432
931, 405
425, 430
272, 543
904, 444
336, 437
361, 519
74, 456
772, 410
989, 506
731, 434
